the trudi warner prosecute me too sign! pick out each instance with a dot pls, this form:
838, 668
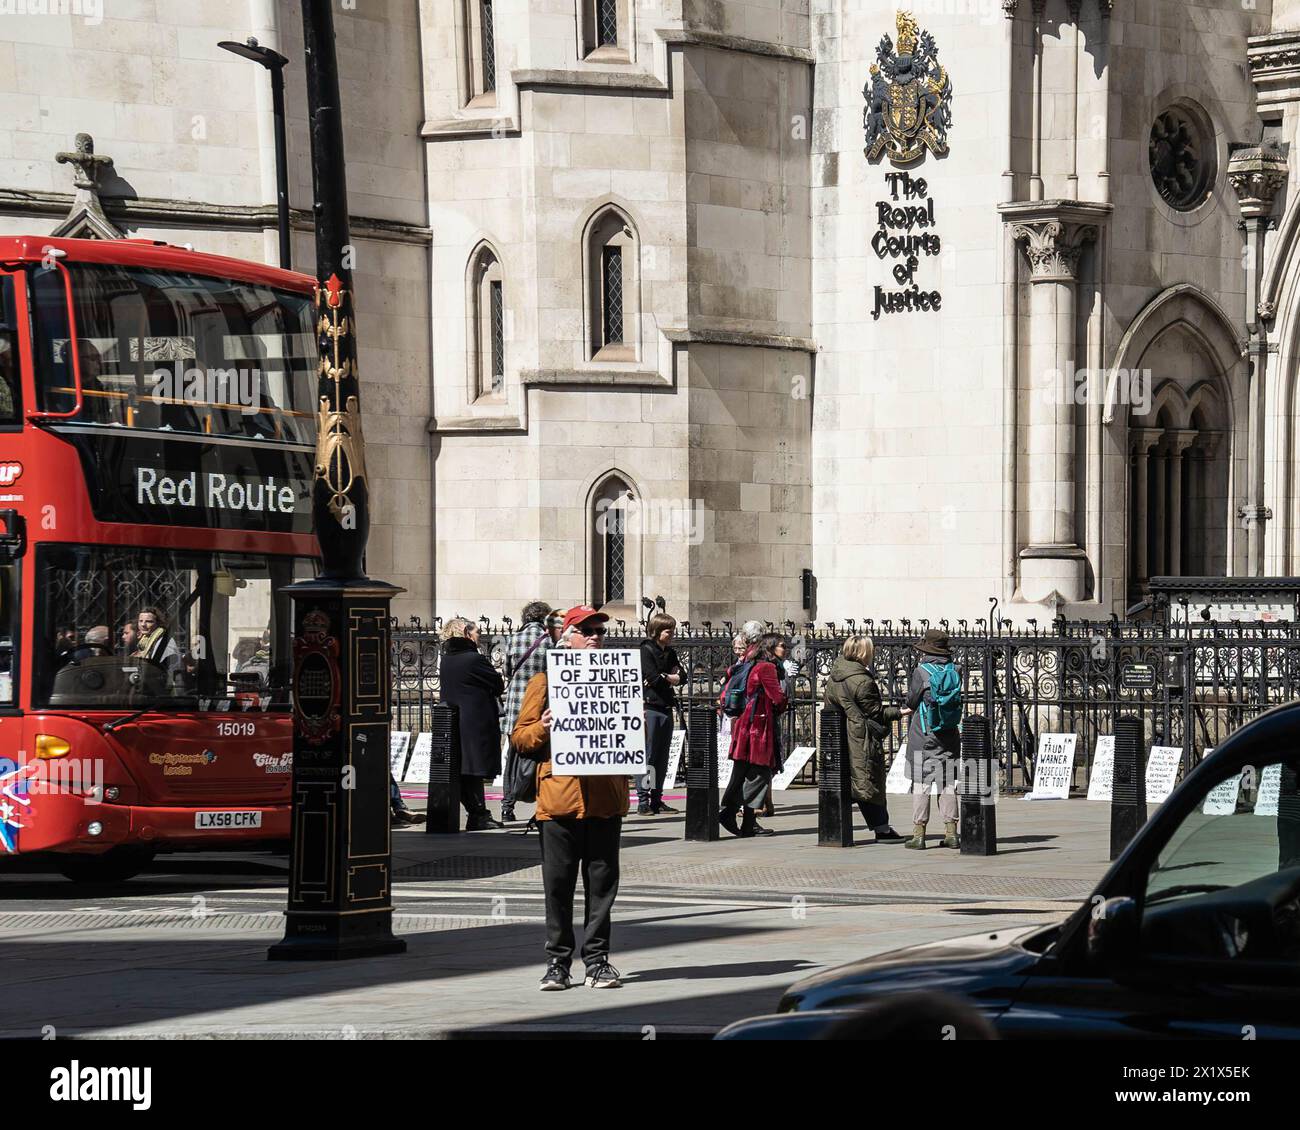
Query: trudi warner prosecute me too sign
597, 718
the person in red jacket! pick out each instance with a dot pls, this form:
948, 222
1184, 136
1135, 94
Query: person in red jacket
753, 742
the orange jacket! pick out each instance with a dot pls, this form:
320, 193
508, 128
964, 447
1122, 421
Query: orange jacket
587, 798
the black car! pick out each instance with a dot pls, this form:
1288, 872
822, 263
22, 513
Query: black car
1193, 933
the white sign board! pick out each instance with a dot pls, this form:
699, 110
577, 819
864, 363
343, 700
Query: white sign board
1054, 766
675, 750
1222, 799
598, 727
417, 769
793, 766
500, 778
1101, 783
399, 741
1162, 772
897, 782
725, 765
1270, 788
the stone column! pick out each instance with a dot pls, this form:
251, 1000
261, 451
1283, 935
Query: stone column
1009, 44
1103, 48
1072, 179
1256, 175
1179, 442
1161, 512
1143, 440
1036, 133
1054, 237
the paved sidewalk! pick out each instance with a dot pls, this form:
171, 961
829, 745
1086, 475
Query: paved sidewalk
704, 933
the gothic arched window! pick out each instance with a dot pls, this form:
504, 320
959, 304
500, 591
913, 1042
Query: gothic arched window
613, 287
487, 325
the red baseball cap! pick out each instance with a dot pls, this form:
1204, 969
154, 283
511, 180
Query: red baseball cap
580, 614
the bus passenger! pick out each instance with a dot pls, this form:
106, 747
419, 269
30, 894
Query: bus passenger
94, 644
152, 641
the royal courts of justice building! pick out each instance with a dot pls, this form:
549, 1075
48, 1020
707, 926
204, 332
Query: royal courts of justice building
701, 299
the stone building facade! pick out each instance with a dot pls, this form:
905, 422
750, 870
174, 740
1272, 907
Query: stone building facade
732, 303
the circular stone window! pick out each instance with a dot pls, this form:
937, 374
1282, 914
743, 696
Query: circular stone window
1181, 152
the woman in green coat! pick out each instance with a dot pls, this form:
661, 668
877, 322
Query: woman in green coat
854, 687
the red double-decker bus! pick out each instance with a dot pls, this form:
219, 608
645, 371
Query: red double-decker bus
156, 443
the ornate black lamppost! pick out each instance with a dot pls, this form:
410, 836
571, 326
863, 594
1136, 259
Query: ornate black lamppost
340, 882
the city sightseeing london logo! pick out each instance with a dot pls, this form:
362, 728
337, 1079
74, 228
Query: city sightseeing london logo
908, 97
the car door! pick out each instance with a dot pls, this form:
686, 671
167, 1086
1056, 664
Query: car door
1215, 951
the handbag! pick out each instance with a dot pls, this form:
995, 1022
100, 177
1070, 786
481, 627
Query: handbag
520, 777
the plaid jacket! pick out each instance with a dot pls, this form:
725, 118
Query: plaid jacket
516, 676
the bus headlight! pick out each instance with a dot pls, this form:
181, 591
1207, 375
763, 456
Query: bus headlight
48, 747
112, 792
94, 828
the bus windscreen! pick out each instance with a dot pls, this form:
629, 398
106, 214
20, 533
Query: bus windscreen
174, 352
150, 628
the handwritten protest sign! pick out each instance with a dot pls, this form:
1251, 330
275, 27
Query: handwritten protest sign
1270, 789
897, 782
500, 778
793, 766
1054, 766
1162, 772
399, 742
675, 750
417, 769
1102, 782
596, 703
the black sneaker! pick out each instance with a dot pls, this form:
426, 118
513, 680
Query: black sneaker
603, 976
889, 836
507, 814
662, 807
556, 978
482, 822
404, 816
643, 809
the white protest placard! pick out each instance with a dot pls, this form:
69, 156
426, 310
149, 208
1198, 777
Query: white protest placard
1270, 788
1162, 772
897, 782
598, 726
1054, 766
1101, 783
725, 765
399, 741
1222, 799
500, 778
675, 750
793, 766
417, 769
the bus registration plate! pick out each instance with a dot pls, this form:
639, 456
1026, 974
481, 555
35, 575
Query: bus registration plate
206, 820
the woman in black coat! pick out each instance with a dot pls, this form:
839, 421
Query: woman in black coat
469, 682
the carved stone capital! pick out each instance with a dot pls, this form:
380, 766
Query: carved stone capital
1142, 440
1054, 247
1257, 174
1009, 8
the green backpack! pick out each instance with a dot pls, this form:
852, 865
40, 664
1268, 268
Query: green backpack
944, 713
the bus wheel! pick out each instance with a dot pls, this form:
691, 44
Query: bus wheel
115, 866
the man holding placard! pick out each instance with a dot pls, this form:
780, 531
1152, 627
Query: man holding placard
582, 720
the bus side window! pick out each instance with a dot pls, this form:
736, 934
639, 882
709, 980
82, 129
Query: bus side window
10, 610
10, 370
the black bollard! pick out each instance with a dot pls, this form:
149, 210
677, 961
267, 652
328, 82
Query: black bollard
1128, 794
702, 774
978, 788
834, 787
443, 813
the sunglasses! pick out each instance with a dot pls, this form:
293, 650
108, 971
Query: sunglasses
591, 633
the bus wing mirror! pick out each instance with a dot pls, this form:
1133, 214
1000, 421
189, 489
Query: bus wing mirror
13, 541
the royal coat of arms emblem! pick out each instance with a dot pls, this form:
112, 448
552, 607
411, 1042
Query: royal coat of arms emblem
908, 97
